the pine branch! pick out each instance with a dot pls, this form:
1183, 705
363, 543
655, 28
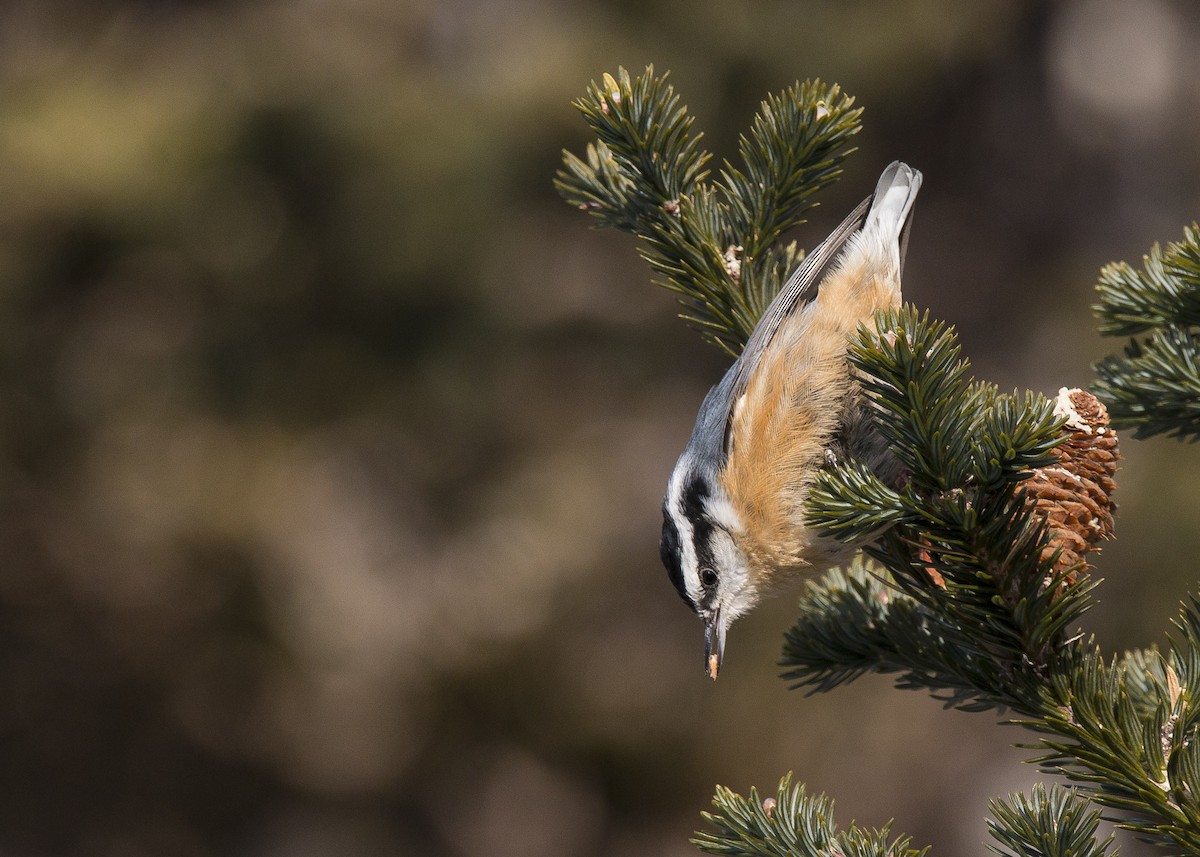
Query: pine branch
1154, 385
1128, 731
857, 622
946, 430
713, 243
1165, 293
986, 610
791, 824
1048, 823
974, 608
794, 149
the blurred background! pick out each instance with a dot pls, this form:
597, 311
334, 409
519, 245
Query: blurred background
332, 442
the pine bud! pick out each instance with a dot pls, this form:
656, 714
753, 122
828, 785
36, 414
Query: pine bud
1075, 494
612, 88
733, 261
769, 806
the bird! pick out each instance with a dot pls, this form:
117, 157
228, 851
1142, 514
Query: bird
733, 515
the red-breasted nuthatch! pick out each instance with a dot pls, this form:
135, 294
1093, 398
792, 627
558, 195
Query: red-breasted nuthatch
733, 516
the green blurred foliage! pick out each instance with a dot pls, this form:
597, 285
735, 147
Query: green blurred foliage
332, 443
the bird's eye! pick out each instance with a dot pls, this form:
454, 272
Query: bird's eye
708, 577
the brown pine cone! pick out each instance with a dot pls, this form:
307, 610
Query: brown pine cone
1075, 494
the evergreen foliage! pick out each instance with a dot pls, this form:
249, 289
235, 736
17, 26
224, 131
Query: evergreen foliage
1052, 822
986, 613
1153, 386
963, 596
789, 824
712, 242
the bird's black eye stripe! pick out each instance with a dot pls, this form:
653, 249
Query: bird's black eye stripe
669, 549
692, 500
694, 495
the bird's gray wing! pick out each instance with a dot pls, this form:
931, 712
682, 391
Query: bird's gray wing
795, 291
709, 444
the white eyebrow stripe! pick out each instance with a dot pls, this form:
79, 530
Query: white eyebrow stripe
687, 534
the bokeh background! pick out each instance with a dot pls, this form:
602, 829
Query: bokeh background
332, 442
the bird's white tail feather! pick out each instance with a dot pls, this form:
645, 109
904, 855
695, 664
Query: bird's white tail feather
894, 196
882, 238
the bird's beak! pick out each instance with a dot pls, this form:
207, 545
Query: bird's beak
714, 643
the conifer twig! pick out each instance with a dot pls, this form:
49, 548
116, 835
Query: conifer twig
713, 242
1153, 386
